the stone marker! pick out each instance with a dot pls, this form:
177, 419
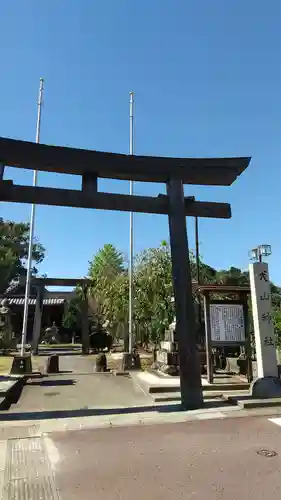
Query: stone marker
53, 364
267, 384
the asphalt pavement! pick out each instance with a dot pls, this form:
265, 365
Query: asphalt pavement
125, 447
214, 459
233, 459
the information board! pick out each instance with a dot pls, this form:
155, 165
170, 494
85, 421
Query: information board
227, 323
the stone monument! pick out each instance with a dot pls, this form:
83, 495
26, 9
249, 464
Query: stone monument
51, 335
7, 338
267, 385
167, 357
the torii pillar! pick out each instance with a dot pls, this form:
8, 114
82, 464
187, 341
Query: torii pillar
37, 318
190, 376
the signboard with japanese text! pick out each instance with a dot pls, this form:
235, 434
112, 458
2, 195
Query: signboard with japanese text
227, 323
262, 317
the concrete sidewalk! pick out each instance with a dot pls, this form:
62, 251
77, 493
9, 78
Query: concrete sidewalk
35, 424
71, 392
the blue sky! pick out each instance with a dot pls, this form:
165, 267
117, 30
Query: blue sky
207, 79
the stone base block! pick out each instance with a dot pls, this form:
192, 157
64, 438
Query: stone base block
53, 364
167, 358
101, 363
172, 370
168, 346
21, 365
130, 362
266, 387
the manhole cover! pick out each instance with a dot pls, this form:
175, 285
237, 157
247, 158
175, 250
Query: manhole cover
267, 453
50, 394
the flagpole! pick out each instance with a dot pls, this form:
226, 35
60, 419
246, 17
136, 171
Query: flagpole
31, 228
131, 230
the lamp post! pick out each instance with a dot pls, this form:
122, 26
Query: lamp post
256, 254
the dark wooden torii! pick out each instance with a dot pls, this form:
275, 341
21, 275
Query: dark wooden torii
40, 284
174, 172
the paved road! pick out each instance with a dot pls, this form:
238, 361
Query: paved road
211, 459
215, 459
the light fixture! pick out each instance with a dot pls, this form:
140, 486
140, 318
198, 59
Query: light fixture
265, 250
257, 253
254, 254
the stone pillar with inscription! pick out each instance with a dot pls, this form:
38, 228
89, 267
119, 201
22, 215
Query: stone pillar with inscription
268, 384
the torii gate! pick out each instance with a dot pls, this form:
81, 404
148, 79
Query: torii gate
40, 284
174, 172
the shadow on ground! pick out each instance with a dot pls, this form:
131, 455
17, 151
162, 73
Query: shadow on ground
89, 412
52, 383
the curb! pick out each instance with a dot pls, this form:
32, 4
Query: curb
249, 403
12, 395
176, 397
206, 388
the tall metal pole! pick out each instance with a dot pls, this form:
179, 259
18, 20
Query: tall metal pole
197, 250
31, 229
131, 230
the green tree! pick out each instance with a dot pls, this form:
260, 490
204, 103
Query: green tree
232, 276
110, 288
107, 262
153, 309
14, 237
207, 273
72, 316
276, 317
153, 291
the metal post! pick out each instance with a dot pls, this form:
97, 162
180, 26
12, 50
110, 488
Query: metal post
209, 354
131, 230
244, 298
190, 376
85, 322
31, 230
37, 318
197, 256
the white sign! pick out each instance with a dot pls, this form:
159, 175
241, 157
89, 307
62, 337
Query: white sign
227, 323
263, 326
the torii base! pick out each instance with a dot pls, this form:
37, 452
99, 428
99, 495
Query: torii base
266, 387
22, 365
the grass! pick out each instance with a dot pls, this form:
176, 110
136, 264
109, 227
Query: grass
38, 362
146, 363
55, 346
5, 364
